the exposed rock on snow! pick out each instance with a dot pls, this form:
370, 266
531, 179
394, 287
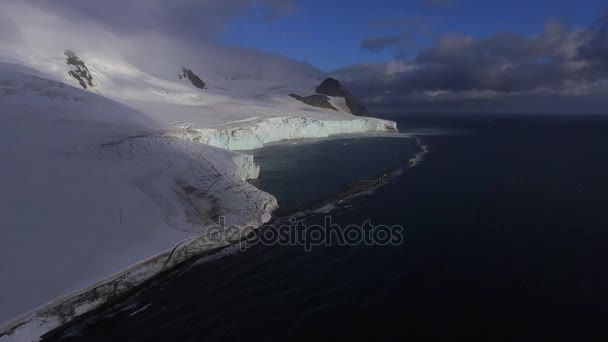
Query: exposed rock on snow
333, 87
78, 69
192, 77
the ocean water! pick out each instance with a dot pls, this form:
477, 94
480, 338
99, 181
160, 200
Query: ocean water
505, 237
305, 172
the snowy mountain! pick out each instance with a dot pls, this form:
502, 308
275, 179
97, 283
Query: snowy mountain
110, 162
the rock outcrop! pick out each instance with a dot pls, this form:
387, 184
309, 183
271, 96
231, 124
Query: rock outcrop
78, 70
333, 87
189, 75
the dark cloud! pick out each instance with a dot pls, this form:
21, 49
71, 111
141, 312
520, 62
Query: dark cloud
560, 61
595, 50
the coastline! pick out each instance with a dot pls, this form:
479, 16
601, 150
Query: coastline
358, 187
223, 298
351, 190
62, 310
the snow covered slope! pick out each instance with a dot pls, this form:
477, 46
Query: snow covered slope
100, 184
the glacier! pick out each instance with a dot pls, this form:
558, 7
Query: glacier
254, 134
101, 193
105, 188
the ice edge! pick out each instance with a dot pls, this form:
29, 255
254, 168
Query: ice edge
240, 135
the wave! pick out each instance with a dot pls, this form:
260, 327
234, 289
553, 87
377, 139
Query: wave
419, 156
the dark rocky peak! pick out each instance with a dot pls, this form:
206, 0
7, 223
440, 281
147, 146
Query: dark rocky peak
333, 87
189, 75
78, 69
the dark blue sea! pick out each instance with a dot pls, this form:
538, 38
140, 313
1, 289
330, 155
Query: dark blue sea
505, 238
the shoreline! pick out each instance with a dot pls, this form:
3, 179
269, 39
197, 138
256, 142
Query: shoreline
64, 309
280, 215
357, 187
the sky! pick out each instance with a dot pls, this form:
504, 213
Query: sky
468, 55
330, 34
515, 55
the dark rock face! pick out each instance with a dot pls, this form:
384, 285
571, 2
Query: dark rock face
315, 100
196, 81
79, 70
356, 108
333, 87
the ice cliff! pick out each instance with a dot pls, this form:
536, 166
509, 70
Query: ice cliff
254, 134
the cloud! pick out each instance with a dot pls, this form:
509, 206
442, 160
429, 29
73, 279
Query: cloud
595, 50
179, 17
560, 61
9, 30
157, 37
